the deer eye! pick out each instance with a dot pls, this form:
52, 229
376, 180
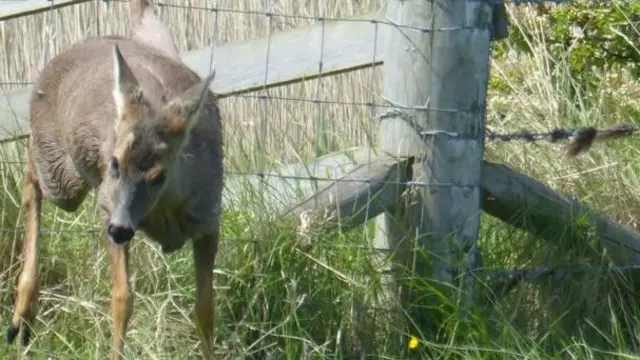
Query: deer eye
115, 167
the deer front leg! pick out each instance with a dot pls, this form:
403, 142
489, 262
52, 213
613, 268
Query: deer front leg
28, 287
121, 296
204, 254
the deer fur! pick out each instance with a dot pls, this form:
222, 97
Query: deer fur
124, 116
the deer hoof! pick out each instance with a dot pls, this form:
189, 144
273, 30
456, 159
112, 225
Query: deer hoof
13, 331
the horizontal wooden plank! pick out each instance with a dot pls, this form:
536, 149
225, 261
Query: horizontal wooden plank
284, 187
530, 205
513, 197
339, 190
242, 67
13, 9
349, 201
304, 53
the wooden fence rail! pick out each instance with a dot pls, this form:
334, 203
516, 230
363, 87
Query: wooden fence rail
341, 202
11, 9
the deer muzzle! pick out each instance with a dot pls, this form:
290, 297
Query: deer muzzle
119, 234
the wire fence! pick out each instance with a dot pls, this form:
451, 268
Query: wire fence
579, 139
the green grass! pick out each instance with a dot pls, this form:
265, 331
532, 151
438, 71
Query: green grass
282, 295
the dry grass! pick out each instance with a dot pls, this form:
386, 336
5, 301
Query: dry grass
297, 302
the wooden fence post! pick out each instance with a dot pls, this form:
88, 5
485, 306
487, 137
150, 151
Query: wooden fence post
436, 81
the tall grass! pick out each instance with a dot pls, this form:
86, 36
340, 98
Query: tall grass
285, 297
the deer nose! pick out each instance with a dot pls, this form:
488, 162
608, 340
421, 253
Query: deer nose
119, 234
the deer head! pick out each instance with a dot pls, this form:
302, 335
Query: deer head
144, 147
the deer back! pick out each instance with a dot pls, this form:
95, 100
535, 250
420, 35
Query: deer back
73, 102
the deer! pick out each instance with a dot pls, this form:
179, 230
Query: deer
125, 117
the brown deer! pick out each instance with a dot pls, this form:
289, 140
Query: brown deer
123, 115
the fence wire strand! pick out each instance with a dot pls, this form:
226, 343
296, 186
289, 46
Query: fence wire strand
579, 139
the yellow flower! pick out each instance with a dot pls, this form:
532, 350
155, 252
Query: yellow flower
413, 342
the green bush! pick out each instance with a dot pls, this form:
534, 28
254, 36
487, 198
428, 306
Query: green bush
590, 36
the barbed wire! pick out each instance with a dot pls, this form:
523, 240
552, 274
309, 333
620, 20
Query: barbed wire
584, 136
580, 140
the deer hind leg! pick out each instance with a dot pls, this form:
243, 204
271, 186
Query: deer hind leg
28, 286
121, 296
204, 253
60, 183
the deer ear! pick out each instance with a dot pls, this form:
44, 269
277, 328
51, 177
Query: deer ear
183, 112
126, 87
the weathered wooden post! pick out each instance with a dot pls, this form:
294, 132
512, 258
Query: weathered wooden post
435, 75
